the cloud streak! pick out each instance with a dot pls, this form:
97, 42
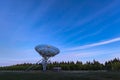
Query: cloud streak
95, 44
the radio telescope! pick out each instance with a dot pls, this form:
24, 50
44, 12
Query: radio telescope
46, 51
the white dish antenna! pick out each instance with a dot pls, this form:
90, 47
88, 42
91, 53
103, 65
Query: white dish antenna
46, 51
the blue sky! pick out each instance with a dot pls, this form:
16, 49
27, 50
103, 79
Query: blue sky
82, 29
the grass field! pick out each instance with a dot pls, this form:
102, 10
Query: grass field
69, 75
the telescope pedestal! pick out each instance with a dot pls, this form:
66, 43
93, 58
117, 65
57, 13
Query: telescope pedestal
44, 63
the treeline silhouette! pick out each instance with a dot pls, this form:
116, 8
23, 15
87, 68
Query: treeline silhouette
113, 65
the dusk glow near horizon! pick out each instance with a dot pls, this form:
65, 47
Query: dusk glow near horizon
83, 30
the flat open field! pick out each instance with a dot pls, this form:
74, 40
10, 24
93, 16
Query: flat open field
66, 75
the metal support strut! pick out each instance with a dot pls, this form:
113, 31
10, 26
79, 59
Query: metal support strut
44, 61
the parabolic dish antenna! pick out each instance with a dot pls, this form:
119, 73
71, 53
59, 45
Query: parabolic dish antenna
46, 51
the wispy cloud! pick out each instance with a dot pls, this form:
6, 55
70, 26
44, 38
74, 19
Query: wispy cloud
95, 44
88, 55
92, 17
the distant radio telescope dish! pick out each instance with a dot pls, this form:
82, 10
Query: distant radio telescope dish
46, 51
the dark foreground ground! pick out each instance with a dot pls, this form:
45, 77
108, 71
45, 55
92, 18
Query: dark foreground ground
69, 75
